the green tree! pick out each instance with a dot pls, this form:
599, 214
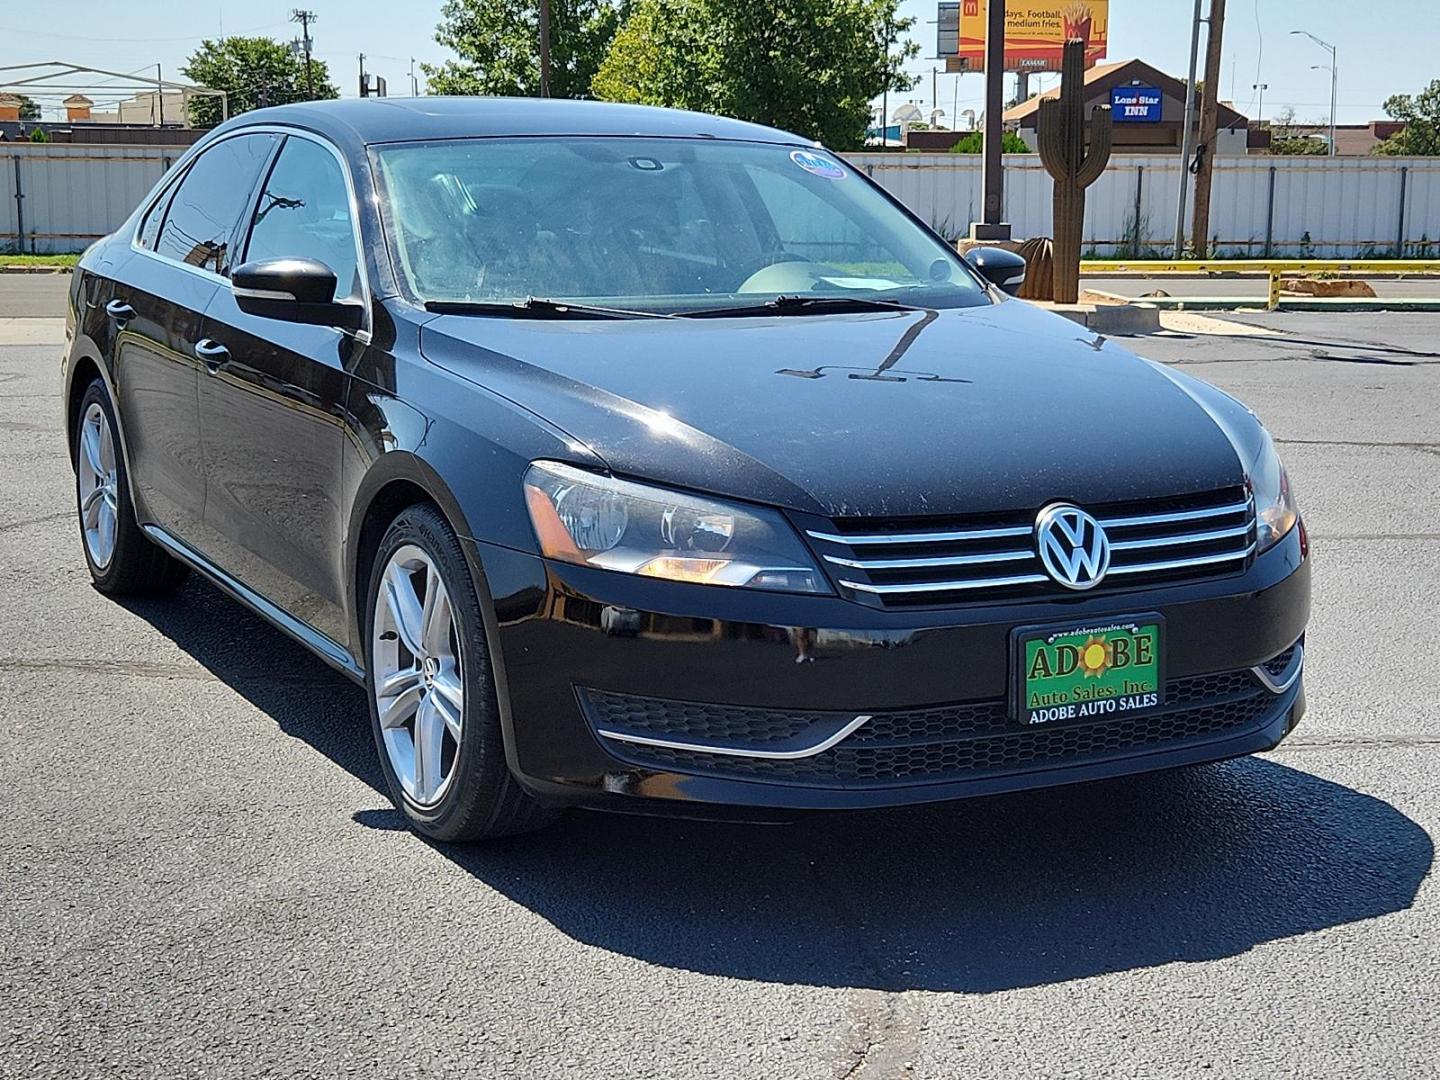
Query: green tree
29, 107
1289, 136
498, 42
809, 66
973, 142
254, 72
1421, 115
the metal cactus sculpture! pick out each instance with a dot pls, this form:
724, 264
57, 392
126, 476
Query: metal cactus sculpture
1061, 136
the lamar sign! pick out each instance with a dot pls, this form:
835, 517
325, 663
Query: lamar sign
1035, 32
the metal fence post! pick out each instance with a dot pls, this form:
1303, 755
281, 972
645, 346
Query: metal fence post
1139, 182
1270, 215
19, 210
1400, 224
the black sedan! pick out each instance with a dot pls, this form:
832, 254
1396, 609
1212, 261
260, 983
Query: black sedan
654, 461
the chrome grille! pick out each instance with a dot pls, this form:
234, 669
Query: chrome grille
919, 562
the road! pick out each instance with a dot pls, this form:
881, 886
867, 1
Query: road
201, 875
37, 295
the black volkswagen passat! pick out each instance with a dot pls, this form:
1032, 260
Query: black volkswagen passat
649, 460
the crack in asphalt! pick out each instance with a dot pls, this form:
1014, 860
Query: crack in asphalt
1404, 445
885, 1042
882, 1039
27, 522
149, 669
1361, 741
144, 669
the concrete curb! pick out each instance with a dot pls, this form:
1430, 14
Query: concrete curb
1113, 319
35, 269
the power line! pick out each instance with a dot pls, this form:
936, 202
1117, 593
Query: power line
139, 41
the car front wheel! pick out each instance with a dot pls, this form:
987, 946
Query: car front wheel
432, 695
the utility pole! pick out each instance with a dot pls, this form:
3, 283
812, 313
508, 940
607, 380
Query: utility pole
1260, 88
990, 227
414, 85
364, 83
1187, 136
305, 18
1209, 125
159, 111
544, 48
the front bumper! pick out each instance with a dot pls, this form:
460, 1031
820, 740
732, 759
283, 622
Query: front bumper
719, 696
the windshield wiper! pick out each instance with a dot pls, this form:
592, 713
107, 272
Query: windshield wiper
539, 307
802, 305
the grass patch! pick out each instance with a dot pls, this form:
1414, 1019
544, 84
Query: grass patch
66, 261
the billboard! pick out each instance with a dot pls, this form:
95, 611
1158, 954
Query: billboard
1035, 31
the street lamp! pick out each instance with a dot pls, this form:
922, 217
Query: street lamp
1334, 73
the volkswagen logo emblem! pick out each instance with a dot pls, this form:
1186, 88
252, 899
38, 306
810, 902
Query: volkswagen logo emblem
1073, 547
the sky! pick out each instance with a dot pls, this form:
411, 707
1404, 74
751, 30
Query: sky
1385, 46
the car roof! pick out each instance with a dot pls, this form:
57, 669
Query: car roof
380, 120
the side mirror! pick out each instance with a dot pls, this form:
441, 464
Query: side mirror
296, 290
1003, 269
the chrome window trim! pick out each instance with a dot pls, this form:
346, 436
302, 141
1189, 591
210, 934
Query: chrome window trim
283, 131
737, 751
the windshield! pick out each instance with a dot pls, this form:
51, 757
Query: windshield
654, 225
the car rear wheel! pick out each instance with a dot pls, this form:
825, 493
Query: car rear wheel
432, 696
121, 558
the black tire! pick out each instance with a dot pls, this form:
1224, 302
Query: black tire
483, 801
136, 565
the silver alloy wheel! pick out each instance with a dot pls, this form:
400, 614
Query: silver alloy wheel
98, 482
419, 689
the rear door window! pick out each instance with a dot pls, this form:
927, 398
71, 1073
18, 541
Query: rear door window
150, 227
200, 222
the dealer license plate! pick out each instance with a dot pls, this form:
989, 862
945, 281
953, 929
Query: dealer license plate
1113, 667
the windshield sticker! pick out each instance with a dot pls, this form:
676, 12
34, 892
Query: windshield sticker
818, 164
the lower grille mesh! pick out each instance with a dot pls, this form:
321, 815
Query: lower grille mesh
953, 742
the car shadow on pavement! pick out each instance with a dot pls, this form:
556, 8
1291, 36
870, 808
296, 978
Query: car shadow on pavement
988, 894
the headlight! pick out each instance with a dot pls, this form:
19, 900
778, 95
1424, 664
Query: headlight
1274, 503
592, 520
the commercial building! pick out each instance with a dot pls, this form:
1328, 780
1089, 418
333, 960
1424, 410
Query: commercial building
1147, 109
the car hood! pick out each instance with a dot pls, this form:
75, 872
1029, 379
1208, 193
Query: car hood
967, 410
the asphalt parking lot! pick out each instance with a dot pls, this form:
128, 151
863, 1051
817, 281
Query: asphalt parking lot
200, 875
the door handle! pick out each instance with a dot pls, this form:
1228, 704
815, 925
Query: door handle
212, 354
120, 311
